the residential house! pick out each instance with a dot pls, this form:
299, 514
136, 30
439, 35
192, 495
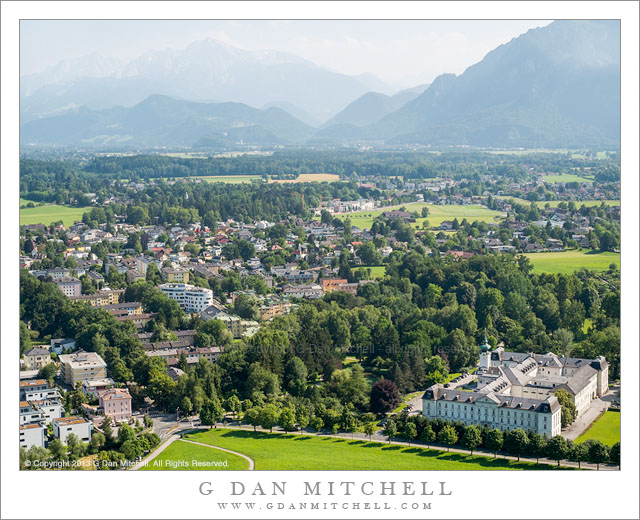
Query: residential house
37, 357
65, 426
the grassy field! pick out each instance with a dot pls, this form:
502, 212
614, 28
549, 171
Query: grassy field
554, 203
377, 271
605, 429
276, 451
50, 213
184, 451
437, 214
565, 177
566, 262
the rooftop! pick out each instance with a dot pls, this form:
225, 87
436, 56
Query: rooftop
82, 359
74, 419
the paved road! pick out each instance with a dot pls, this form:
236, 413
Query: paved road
582, 423
155, 453
176, 437
248, 459
164, 424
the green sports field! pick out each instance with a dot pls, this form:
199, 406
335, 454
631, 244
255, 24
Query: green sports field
437, 214
567, 262
606, 429
50, 213
276, 451
181, 455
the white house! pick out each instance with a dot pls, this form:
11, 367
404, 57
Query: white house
32, 435
59, 345
65, 426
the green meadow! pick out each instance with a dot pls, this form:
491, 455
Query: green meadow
567, 262
50, 213
377, 271
278, 451
565, 177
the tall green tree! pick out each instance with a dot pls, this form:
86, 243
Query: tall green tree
516, 442
557, 448
448, 436
494, 441
472, 438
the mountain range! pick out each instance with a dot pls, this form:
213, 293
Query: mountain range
205, 71
556, 87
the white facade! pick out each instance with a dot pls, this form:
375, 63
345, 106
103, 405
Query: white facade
60, 344
32, 435
303, 291
189, 297
492, 409
65, 426
49, 409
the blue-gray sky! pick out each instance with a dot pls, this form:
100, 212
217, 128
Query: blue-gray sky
403, 53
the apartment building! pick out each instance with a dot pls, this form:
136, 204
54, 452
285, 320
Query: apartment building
189, 297
82, 366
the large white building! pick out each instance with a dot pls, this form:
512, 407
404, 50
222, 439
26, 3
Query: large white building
189, 297
516, 390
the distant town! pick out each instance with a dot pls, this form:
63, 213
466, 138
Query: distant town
434, 309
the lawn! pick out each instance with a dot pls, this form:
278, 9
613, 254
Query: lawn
188, 453
565, 177
277, 451
567, 262
50, 213
377, 271
437, 214
605, 429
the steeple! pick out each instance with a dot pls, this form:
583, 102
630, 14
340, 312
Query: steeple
485, 347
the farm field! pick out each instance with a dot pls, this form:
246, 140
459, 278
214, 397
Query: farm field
437, 214
567, 262
606, 429
565, 177
50, 213
277, 451
554, 203
183, 451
